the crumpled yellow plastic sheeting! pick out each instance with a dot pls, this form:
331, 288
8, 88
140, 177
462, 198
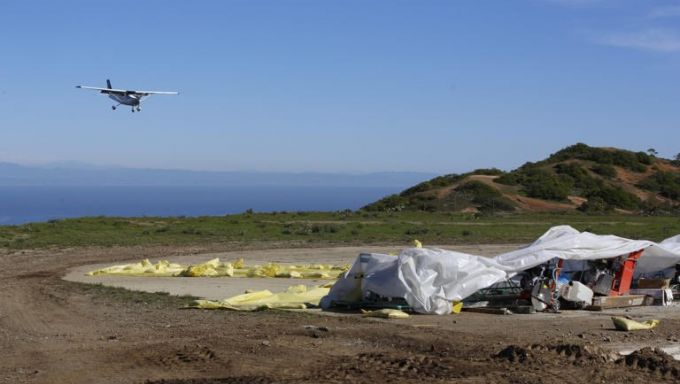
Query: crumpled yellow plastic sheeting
623, 324
386, 313
143, 268
216, 268
304, 271
210, 268
295, 297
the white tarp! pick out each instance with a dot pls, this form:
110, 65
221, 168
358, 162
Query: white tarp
430, 279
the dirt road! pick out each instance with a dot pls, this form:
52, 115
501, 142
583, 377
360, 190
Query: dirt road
54, 331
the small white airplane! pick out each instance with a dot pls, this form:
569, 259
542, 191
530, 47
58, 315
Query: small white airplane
126, 97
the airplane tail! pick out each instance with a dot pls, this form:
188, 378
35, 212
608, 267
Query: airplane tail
108, 83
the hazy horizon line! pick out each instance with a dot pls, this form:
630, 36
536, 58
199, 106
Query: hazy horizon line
80, 165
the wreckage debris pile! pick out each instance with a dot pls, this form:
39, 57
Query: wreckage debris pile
582, 268
431, 280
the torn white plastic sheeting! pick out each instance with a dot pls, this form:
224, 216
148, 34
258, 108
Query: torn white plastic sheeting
659, 257
370, 272
430, 279
434, 277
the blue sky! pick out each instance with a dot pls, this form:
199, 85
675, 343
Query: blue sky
338, 86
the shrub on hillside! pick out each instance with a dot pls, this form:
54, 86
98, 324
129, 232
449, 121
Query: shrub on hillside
421, 187
421, 202
605, 170
478, 189
484, 196
512, 178
636, 162
446, 180
437, 182
542, 184
665, 183
392, 203
578, 177
487, 171
595, 204
615, 197
495, 204
644, 158
654, 206
571, 169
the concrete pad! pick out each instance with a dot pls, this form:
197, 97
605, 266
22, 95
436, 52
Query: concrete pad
217, 288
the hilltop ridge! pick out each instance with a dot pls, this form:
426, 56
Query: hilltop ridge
576, 178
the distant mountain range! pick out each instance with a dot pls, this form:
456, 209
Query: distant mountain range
80, 174
578, 177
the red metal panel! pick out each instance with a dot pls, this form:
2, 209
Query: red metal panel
624, 276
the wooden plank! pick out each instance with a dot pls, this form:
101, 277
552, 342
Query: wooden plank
654, 283
604, 302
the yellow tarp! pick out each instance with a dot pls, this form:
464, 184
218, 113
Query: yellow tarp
210, 268
295, 297
143, 268
623, 324
217, 268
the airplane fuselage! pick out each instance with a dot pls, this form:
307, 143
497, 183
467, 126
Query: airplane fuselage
131, 100
126, 96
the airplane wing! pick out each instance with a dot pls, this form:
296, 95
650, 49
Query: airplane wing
127, 92
103, 90
146, 93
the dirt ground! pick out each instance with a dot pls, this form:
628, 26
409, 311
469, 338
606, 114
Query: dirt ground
56, 331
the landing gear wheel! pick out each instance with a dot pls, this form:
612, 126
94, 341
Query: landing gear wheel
139, 109
113, 107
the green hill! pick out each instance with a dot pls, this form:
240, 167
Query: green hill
579, 177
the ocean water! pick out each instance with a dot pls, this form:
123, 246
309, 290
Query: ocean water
20, 205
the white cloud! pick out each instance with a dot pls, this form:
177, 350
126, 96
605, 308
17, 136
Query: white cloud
665, 12
660, 40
